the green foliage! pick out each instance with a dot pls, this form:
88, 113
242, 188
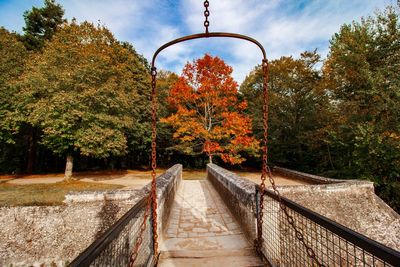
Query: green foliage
390, 193
41, 24
13, 57
83, 91
362, 73
344, 121
298, 110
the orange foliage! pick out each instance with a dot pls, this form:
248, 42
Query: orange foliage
209, 117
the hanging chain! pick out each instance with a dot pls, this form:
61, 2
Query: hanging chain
154, 156
206, 14
152, 197
265, 154
266, 171
139, 239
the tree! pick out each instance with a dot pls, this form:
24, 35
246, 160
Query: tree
298, 111
362, 74
165, 142
209, 117
82, 92
41, 24
13, 57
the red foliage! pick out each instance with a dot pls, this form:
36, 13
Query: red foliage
208, 113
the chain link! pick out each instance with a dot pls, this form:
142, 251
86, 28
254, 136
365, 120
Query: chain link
154, 156
152, 197
206, 14
266, 171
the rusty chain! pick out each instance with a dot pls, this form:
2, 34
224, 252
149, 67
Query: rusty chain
266, 171
154, 156
152, 197
265, 154
206, 14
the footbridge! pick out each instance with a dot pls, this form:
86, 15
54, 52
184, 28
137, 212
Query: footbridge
213, 222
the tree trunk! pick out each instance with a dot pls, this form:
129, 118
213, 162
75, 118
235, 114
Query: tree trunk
210, 158
68, 168
31, 150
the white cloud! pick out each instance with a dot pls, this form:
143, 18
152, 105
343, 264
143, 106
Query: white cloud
284, 27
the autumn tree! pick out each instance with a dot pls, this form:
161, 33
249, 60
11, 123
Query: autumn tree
81, 92
209, 116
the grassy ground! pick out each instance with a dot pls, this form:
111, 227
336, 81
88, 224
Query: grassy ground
48, 189
45, 194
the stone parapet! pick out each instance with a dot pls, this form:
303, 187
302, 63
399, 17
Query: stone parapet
309, 178
238, 194
54, 235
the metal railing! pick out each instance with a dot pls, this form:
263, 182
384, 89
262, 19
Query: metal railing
114, 247
333, 243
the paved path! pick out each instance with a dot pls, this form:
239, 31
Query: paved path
203, 232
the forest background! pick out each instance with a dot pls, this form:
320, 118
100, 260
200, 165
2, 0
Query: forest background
72, 92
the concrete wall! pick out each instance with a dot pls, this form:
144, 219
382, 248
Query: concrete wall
351, 203
54, 235
309, 178
166, 193
239, 196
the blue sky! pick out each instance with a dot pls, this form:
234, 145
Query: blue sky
284, 27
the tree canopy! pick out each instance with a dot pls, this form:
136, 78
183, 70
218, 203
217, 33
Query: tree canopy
209, 116
81, 91
13, 57
342, 121
41, 24
70, 90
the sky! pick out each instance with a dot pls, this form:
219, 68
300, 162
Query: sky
283, 27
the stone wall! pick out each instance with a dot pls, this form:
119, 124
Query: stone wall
309, 178
239, 196
351, 203
54, 235
166, 193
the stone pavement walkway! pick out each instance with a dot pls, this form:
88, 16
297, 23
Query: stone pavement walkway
202, 232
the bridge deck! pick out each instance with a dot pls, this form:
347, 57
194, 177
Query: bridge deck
202, 232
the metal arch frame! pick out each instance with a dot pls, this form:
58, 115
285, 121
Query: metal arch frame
265, 168
207, 35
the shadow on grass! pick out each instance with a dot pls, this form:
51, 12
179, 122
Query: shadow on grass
45, 194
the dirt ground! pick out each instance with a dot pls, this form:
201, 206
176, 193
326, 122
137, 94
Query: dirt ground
130, 179
50, 189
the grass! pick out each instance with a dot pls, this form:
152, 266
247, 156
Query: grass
45, 194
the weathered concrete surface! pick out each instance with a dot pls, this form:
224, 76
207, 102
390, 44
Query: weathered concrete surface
202, 231
54, 235
238, 195
306, 177
353, 204
46, 235
279, 179
220, 257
